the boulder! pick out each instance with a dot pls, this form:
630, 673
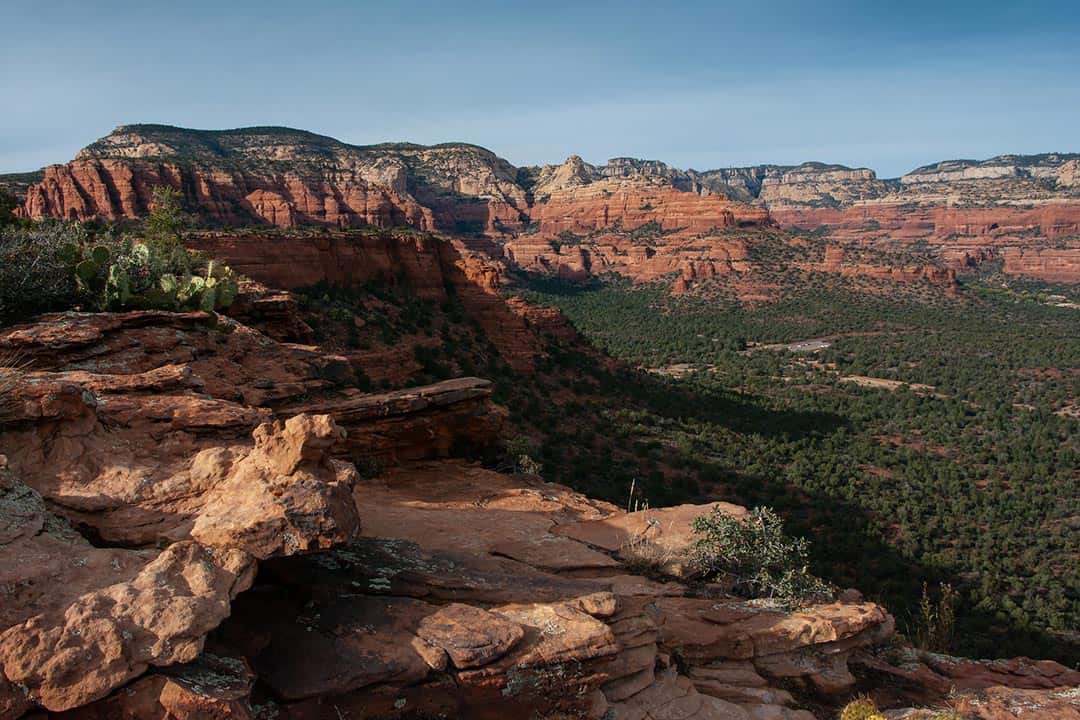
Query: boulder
471, 636
209, 687
79, 621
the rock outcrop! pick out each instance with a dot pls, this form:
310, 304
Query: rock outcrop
78, 620
472, 564
1060, 264
640, 218
184, 533
966, 212
138, 497
282, 177
578, 197
835, 261
977, 689
431, 267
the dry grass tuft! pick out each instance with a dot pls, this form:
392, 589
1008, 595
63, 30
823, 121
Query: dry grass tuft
12, 369
642, 556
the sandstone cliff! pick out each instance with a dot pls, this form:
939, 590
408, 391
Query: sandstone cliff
432, 267
968, 212
282, 177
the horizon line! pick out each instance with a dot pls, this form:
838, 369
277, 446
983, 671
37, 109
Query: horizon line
451, 143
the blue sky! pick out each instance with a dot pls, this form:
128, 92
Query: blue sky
888, 85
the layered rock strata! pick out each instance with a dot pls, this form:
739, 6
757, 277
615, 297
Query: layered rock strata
640, 218
282, 177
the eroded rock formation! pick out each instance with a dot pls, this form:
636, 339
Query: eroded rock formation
641, 218
282, 177
432, 267
965, 211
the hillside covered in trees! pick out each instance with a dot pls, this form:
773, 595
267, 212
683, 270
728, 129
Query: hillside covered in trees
914, 437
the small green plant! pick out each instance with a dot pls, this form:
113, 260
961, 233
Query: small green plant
861, 708
167, 221
163, 233
520, 457
756, 556
936, 620
526, 465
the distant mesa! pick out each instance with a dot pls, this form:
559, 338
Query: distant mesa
1022, 208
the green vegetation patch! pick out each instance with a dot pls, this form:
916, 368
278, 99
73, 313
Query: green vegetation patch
914, 442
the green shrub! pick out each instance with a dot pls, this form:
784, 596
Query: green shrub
165, 225
757, 557
36, 270
520, 457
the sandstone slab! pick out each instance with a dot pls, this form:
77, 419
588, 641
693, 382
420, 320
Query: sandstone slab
470, 635
209, 687
663, 537
383, 566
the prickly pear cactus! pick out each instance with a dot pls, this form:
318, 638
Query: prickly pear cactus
208, 299
118, 287
169, 285
85, 273
129, 280
90, 270
227, 290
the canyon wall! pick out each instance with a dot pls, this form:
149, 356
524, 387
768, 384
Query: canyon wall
115, 189
641, 218
631, 218
962, 212
432, 267
282, 177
